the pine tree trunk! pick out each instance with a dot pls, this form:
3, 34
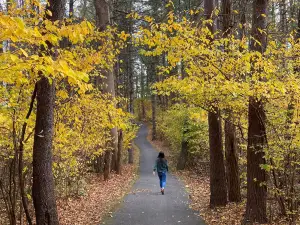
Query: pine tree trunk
218, 191
43, 184
256, 176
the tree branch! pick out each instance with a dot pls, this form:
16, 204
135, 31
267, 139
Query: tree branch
21, 151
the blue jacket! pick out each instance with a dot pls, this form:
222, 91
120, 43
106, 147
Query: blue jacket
161, 165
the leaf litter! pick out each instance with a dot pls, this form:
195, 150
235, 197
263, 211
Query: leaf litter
101, 198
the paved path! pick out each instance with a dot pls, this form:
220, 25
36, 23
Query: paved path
145, 205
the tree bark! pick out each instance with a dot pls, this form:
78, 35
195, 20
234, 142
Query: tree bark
21, 152
232, 167
130, 64
218, 191
43, 184
233, 175
154, 105
43, 194
152, 71
298, 27
283, 17
120, 150
71, 8
256, 176
130, 155
102, 21
107, 164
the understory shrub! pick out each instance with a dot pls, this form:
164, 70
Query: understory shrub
171, 125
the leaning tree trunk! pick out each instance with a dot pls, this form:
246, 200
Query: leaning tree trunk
232, 167
43, 194
102, 21
218, 191
256, 176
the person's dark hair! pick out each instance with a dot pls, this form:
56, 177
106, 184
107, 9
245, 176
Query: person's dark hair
161, 155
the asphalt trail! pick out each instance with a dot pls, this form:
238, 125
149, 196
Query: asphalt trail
145, 205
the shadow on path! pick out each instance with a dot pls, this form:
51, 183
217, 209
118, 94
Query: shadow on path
144, 205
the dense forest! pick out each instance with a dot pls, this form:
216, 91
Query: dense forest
217, 81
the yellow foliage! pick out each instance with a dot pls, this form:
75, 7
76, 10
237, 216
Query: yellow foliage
83, 116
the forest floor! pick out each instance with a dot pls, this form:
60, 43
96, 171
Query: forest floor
197, 185
101, 199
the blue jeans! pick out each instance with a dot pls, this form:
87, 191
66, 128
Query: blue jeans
162, 179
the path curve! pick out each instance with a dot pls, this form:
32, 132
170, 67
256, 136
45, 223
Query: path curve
145, 205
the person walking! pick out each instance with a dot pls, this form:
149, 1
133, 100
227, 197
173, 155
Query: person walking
161, 166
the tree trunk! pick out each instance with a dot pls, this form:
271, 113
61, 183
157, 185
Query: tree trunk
298, 27
120, 150
184, 149
130, 74
256, 176
130, 155
102, 20
283, 17
233, 176
71, 8
114, 146
21, 153
218, 191
152, 71
107, 164
43, 194
98, 163
43, 184
153, 103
